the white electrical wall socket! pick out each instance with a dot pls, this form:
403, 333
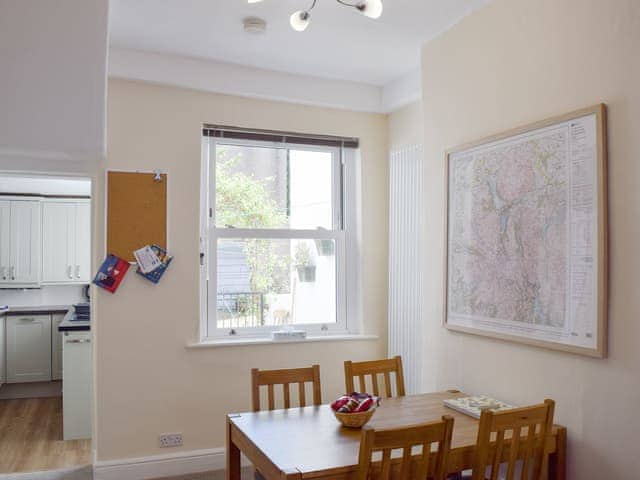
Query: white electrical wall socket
170, 440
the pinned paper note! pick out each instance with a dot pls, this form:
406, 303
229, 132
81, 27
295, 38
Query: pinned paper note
147, 259
164, 260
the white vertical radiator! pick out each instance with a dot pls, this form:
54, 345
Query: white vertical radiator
406, 262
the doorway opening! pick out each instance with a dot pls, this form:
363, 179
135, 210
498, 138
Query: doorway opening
45, 322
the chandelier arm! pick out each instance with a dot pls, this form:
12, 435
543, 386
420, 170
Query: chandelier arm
346, 4
312, 5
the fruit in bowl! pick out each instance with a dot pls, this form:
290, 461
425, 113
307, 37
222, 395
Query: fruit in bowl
355, 410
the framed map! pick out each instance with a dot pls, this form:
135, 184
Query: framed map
526, 235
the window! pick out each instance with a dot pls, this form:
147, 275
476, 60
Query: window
278, 233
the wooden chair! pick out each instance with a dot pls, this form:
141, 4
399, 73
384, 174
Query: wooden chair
406, 438
285, 378
373, 369
528, 428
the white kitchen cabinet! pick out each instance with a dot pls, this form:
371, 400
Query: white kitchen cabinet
56, 346
19, 243
5, 239
76, 385
2, 351
83, 242
28, 345
66, 241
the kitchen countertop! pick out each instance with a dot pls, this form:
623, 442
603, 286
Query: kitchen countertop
21, 309
69, 325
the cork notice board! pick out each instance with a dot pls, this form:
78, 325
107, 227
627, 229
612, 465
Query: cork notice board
136, 212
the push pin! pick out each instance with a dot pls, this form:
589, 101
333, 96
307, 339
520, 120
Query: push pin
157, 176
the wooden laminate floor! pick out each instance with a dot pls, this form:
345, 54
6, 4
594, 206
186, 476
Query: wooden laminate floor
31, 437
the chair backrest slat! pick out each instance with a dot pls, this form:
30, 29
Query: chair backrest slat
513, 453
405, 439
387, 384
373, 369
272, 399
374, 381
495, 466
528, 429
285, 377
285, 394
528, 449
302, 395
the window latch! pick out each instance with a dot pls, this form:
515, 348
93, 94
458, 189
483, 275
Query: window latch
201, 258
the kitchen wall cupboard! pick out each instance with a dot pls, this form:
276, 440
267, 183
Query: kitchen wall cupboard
66, 241
28, 345
20, 242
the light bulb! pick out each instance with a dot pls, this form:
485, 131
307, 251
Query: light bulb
370, 8
253, 1
299, 20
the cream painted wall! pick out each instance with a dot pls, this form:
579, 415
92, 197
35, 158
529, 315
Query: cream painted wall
147, 381
511, 63
406, 125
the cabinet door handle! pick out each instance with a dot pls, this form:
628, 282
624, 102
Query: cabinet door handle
12, 273
78, 340
69, 274
4, 272
77, 271
28, 319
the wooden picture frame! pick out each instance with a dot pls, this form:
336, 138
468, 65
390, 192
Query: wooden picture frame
534, 334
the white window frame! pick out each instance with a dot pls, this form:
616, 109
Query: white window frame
345, 234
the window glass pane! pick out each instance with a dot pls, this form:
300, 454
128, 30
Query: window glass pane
273, 282
260, 187
310, 199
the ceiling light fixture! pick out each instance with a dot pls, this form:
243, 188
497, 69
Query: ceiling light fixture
300, 20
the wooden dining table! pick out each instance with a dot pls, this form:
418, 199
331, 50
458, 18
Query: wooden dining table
309, 443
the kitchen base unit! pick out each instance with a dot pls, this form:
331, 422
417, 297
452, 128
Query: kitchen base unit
76, 384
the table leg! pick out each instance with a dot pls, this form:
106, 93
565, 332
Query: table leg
558, 459
233, 457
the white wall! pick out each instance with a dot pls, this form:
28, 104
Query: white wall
512, 63
406, 126
48, 295
53, 82
147, 379
41, 185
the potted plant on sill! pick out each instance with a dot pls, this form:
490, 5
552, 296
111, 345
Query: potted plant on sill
325, 247
304, 266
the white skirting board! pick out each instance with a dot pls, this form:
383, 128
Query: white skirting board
158, 466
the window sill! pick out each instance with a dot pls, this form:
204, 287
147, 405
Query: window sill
222, 343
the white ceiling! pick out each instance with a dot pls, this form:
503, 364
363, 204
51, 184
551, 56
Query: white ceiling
339, 43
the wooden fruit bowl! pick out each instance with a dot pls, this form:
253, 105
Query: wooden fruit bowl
355, 420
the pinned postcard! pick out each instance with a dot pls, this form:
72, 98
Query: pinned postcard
164, 260
111, 273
